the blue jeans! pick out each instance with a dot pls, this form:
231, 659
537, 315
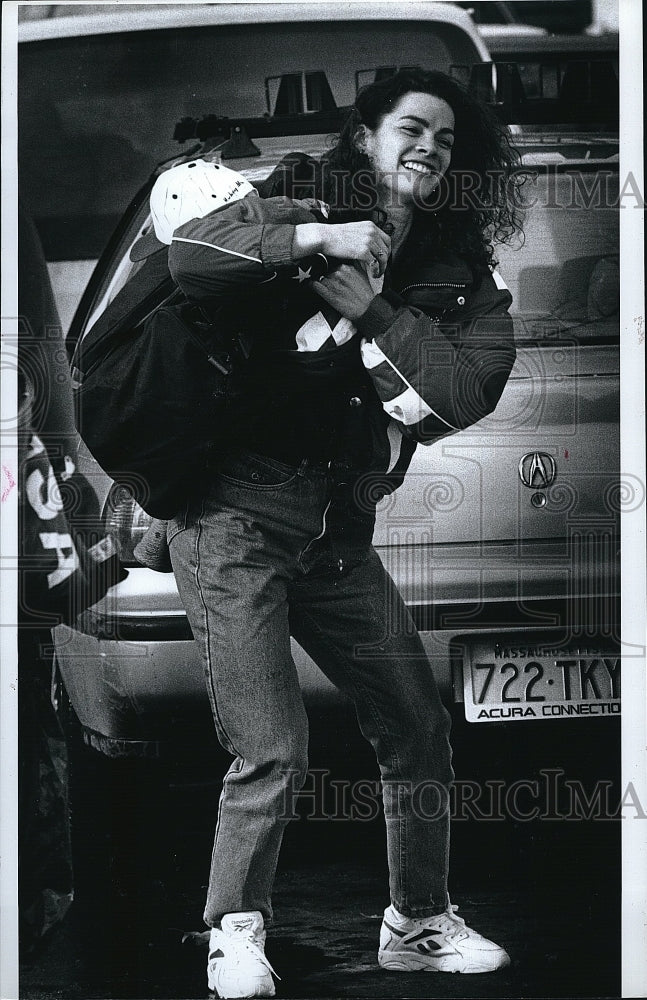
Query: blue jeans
273, 550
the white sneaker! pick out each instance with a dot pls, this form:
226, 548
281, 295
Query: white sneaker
436, 944
237, 966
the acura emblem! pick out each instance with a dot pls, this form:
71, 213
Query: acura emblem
537, 470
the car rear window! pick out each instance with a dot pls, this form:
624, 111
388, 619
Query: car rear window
98, 112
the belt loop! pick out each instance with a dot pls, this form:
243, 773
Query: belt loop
303, 468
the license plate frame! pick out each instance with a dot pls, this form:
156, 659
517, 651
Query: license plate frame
532, 680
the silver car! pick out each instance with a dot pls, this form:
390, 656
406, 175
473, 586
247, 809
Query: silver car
504, 538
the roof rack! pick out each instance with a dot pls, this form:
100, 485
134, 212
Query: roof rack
542, 91
233, 136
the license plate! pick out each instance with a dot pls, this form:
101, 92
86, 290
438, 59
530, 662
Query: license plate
505, 682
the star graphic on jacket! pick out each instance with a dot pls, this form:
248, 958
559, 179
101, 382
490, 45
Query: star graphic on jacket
302, 275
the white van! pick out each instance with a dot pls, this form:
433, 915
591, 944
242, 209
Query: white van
100, 94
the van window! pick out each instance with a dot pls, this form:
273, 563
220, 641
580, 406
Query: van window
565, 279
98, 112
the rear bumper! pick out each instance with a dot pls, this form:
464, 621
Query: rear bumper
134, 677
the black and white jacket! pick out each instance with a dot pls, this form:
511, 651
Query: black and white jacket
432, 353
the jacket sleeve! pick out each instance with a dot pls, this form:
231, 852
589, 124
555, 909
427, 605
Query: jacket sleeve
247, 242
439, 376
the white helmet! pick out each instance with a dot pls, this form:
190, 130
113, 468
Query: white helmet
189, 191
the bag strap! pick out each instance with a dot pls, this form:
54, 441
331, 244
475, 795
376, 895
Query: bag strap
109, 331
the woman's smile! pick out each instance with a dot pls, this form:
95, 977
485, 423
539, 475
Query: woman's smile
418, 167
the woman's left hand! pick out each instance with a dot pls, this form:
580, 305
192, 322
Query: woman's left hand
347, 289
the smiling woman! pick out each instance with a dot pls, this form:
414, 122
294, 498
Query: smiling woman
404, 340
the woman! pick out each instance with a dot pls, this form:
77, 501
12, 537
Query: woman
407, 338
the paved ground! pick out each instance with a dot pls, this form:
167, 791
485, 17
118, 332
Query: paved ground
548, 891
561, 947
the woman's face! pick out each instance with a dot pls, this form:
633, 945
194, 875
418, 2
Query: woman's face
411, 148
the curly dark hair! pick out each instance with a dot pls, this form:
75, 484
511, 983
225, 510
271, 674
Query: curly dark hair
478, 202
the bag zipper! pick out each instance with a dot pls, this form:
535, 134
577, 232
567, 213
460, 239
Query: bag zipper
436, 284
224, 365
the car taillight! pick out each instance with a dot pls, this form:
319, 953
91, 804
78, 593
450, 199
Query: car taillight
126, 520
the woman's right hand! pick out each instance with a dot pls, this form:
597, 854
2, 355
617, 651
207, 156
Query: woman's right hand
345, 241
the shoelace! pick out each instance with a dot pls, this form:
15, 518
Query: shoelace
243, 940
450, 924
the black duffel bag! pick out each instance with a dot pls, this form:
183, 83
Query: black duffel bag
151, 396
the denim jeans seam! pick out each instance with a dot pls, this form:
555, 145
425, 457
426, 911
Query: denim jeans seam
267, 463
274, 464
177, 524
258, 487
210, 684
402, 851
